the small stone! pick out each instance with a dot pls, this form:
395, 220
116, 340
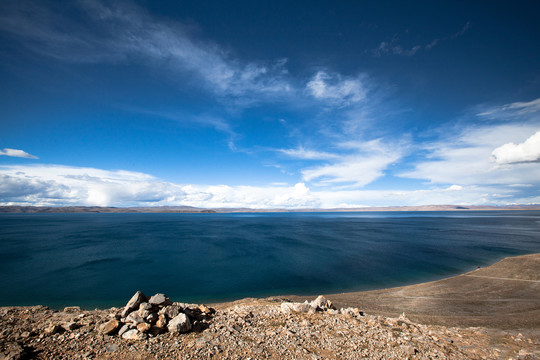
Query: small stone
70, 326
161, 322
109, 327
143, 327
123, 330
134, 318
160, 299
152, 318
133, 303
143, 313
205, 309
409, 350
180, 324
72, 309
111, 347
54, 329
132, 334
145, 306
170, 311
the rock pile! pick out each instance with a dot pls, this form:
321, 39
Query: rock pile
144, 317
248, 328
320, 304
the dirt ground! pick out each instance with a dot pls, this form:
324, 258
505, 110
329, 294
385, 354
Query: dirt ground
504, 296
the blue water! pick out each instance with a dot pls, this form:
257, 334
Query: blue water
99, 260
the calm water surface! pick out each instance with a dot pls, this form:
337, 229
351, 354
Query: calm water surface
98, 260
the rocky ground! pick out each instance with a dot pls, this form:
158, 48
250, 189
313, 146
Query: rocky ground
273, 328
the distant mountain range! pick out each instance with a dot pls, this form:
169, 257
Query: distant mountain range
190, 209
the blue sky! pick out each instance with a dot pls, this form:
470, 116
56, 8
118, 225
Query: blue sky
269, 104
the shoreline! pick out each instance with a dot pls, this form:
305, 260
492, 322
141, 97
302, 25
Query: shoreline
345, 298
504, 295
414, 322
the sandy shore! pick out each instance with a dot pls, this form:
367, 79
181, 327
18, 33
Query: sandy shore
505, 295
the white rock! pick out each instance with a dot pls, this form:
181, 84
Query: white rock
322, 303
171, 311
123, 330
180, 324
288, 307
134, 318
132, 334
133, 303
160, 299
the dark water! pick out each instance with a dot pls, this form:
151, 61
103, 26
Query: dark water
97, 260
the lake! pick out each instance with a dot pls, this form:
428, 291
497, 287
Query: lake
100, 260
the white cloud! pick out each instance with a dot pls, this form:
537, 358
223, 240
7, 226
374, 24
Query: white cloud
528, 151
63, 185
362, 167
335, 90
465, 158
17, 153
301, 153
55, 185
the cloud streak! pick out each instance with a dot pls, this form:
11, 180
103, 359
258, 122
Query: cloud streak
17, 153
394, 47
125, 33
364, 165
306, 154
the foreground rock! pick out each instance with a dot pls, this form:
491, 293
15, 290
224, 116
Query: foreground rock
256, 329
144, 317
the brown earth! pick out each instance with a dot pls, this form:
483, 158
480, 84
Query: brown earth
505, 295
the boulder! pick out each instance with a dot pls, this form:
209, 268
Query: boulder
288, 307
321, 303
133, 303
179, 324
160, 299
109, 327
